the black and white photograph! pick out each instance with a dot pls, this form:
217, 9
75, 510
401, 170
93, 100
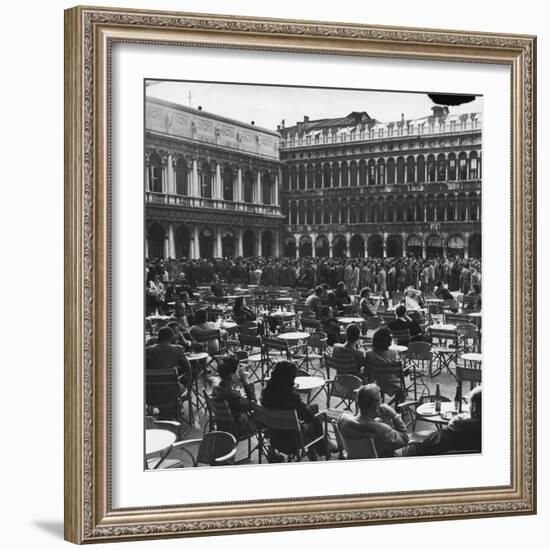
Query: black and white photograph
313, 287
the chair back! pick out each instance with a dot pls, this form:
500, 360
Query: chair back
419, 351
401, 337
308, 323
276, 344
470, 303
162, 389
250, 341
386, 316
342, 365
215, 445
443, 335
345, 386
250, 328
468, 375
207, 335
277, 420
318, 340
381, 371
456, 318
358, 448
219, 411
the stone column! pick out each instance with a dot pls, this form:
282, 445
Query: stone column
239, 241
219, 250
404, 245
384, 246
366, 247
330, 236
258, 197
313, 237
278, 178
423, 247
297, 239
196, 247
166, 247
195, 186
171, 243
218, 192
239, 197
170, 183
444, 249
258, 243
277, 244
415, 170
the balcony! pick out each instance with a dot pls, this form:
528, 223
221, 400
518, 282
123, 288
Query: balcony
163, 199
400, 188
379, 134
387, 227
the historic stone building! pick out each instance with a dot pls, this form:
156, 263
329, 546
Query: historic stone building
212, 185
355, 187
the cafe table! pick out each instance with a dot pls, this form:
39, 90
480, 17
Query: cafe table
427, 413
294, 336
158, 441
282, 314
309, 384
348, 320
450, 328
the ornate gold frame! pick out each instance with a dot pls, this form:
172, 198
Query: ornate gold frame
89, 34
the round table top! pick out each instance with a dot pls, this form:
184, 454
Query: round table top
427, 412
307, 383
348, 320
472, 357
475, 314
293, 335
228, 325
283, 299
399, 349
157, 317
281, 314
196, 356
158, 440
443, 327
434, 300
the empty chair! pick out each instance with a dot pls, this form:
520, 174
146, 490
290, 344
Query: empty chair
344, 389
164, 391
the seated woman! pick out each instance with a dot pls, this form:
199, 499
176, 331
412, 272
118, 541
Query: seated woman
403, 322
242, 313
365, 309
413, 299
228, 389
473, 304
279, 395
342, 296
381, 355
329, 325
443, 294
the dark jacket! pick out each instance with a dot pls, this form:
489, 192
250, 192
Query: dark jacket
460, 435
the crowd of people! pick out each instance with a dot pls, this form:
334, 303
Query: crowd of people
330, 285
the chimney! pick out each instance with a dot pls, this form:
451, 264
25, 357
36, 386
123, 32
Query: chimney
283, 123
306, 118
199, 107
252, 122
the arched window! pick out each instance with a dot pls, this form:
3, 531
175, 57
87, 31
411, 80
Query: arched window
326, 212
390, 210
462, 167
302, 177
301, 212
419, 209
248, 184
399, 210
206, 181
431, 168
371, 172
286, 178
430, 208
353, 212
154, 173
400, 170
344, 171
474, 168
381, 172
441, 167
318, 176
440, 210
451, 204
227, 184
293, 214
310, 176
181, 177
318, 213
371, 211
380, 210
461, 210
420, 169
353, 173
335, 175
344, 213
326, 174
362, 172
266, 188
293, 177
391, 170
410, 209
452, 167
410, 170
474, 202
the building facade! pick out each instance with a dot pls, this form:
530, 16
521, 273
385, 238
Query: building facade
211, 185
356, 187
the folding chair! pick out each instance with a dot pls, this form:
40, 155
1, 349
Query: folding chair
285, 421
381, 375
221, 419
419, 359
444, 348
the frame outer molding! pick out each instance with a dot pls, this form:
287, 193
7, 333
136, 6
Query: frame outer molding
88, 35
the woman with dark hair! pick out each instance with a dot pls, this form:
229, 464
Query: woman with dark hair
381, 355
242, 313
365, 309
279, 394
228, 389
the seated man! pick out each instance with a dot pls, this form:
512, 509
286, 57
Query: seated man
463, 433
313, 301
475, 304
164, 354
375, 420
349, 350
403, 322
342, 296
200, 330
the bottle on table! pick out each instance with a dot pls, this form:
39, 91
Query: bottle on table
458, 398
437, 399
